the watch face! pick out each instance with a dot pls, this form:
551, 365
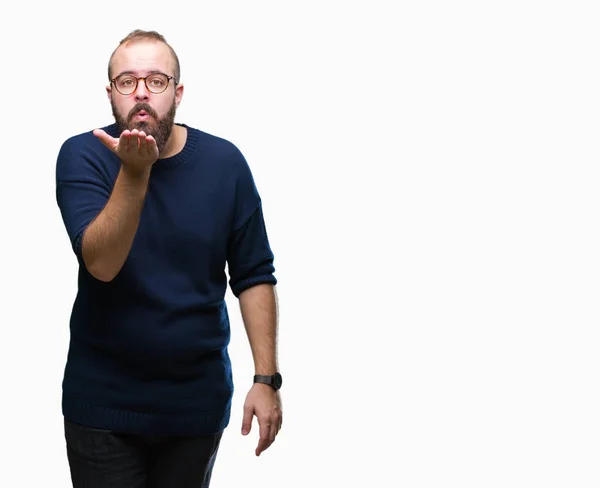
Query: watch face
277, 380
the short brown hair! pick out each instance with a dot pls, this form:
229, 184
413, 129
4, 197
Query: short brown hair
142, 35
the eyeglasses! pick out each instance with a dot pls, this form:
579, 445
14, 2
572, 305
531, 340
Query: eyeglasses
127, 84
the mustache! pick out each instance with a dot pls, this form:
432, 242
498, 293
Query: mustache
142, 106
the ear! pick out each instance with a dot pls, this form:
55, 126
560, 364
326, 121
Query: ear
178, 94
109, 92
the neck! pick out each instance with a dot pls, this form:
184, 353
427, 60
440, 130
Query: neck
175, 142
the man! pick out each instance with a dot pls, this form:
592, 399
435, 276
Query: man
155, 210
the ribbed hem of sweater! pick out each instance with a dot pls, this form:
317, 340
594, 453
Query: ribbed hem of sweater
146, 424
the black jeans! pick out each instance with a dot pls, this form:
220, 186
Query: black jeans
100, 458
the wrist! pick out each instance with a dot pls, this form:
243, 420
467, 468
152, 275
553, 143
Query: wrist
138, 177
273, 380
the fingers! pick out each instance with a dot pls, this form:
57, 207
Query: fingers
124, 140
151, 146
247, 420
132, 141
276, 424
142, 147
269, 428
267, 436
267, 409
144, 143
138, 142
135, 141
273, 432
110, 142
135, 148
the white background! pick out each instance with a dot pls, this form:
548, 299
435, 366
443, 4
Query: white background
429, 172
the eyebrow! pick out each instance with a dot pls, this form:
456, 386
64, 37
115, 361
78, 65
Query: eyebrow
134, 73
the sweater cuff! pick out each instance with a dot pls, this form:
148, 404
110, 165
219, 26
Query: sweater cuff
250, 282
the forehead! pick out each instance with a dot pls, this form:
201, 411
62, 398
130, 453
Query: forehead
143, 56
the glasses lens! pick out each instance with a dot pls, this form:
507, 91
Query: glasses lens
126, 84
157, 83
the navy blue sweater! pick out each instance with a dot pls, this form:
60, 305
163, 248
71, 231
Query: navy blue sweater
148, 350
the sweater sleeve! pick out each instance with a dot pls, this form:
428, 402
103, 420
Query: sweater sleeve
82, 190
249, 255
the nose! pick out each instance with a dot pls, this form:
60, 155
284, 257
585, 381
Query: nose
141, 93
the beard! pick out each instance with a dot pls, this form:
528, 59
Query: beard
159, 128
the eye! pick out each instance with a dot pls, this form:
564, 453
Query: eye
157, 82
126, 81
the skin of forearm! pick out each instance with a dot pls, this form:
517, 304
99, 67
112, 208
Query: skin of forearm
258, 305
108, 239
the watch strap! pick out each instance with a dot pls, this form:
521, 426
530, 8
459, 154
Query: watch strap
272, 380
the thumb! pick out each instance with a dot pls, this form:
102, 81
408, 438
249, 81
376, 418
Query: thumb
108, 141
247, 420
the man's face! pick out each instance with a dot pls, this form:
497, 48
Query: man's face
142, 109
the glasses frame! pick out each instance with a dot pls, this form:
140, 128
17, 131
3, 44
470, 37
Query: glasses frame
137, 81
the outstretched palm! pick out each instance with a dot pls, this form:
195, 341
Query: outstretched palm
135, 149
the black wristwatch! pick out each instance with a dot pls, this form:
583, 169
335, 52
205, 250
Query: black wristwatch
273, 381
